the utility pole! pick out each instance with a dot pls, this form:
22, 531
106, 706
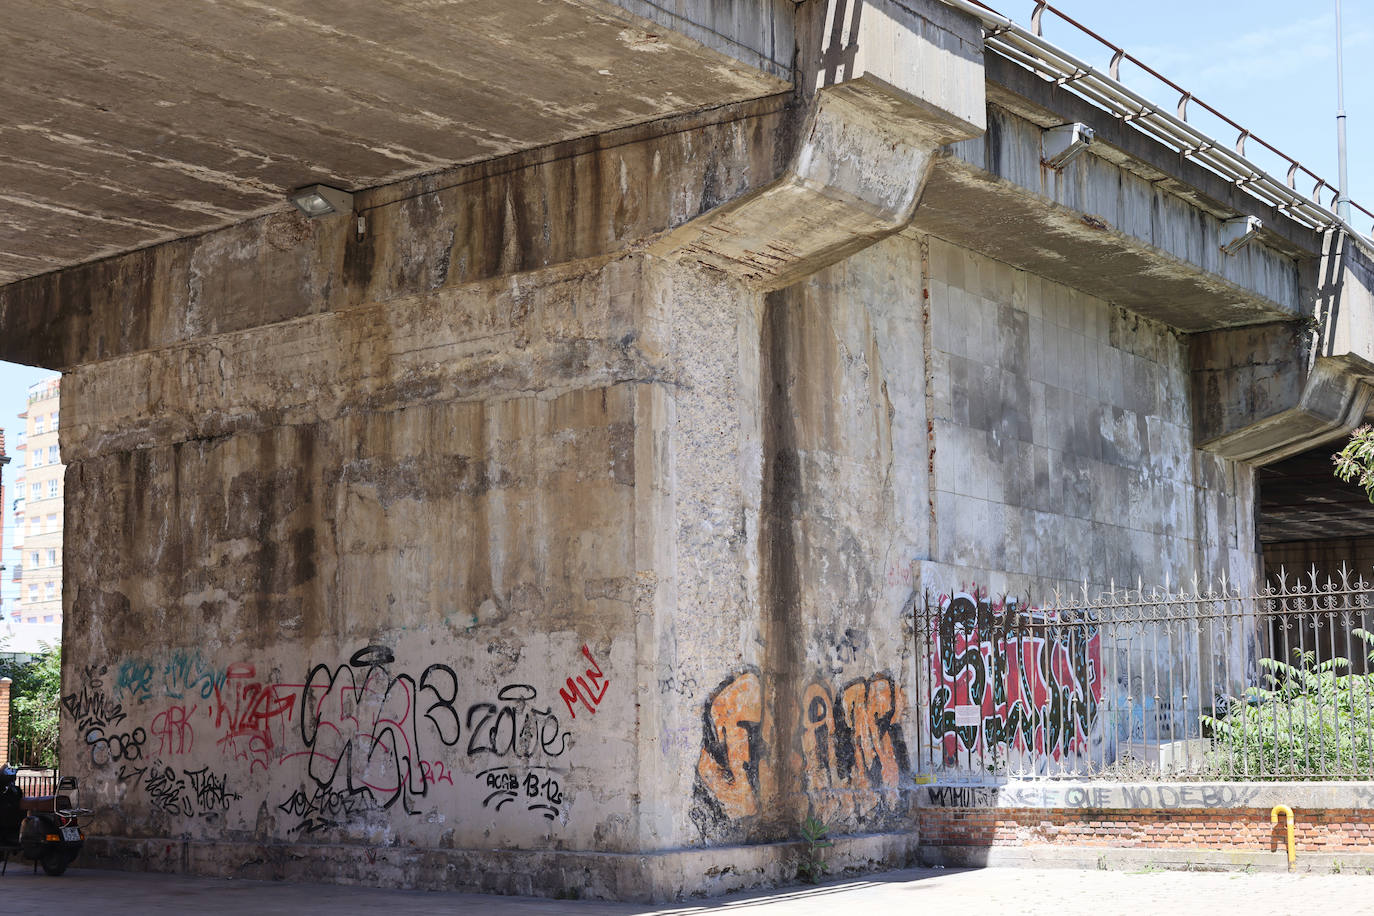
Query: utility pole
1343, 193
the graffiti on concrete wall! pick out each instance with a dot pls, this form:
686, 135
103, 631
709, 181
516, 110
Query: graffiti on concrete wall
1007, 679
852, 740
588, 688
852, 750
366, 730
362, 735
188, 793
523, 741
735, 767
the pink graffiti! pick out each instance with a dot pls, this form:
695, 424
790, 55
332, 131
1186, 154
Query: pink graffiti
172, 727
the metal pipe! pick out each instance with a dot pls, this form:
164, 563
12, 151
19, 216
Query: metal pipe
1274, 820
1343, 197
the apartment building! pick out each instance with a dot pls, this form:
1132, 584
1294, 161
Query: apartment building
38, 509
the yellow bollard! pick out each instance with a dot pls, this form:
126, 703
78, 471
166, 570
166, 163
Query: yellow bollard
1274, 819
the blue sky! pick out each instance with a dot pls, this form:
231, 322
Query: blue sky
1269, 65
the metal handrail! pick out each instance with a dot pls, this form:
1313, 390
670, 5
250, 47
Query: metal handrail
1028, 48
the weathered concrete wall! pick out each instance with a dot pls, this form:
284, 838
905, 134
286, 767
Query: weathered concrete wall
514, 530
843, 494
378, 544
1062, 441
355, 622
624, 538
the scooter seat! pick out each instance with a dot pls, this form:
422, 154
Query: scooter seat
44, 802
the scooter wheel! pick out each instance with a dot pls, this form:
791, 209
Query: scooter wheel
54, 862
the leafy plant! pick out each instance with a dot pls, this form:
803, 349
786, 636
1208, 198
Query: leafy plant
1355, 462
1309, 722
815, 834
34, 698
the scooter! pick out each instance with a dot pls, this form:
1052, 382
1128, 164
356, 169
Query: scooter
44, 828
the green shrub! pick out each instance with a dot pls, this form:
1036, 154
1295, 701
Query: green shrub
1311, 721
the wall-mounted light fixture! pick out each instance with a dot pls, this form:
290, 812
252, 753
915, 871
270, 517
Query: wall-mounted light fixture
1239, 232
1066, 141
321, 200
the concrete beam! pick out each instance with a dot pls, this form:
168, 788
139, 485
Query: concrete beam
893, 86
1265, 394
1016, 89
571, 201
757, 33
1100, 227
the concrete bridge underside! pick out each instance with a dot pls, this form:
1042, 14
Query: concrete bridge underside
554, 520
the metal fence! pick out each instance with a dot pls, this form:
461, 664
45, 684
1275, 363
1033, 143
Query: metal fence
1219, 684
35, 781
25, 752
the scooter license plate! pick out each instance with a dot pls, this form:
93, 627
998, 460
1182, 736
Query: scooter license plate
71, 835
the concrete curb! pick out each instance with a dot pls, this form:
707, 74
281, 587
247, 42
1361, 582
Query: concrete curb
656, 877
1115, 858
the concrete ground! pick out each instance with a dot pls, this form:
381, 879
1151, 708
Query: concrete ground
1066, 892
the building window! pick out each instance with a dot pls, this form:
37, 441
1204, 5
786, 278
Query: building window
54, 420
49, 591
52, 487
33, 620
35, 490
52, 522
52, 556
52, 452
33, 592
37, 426
47, 618
33, 559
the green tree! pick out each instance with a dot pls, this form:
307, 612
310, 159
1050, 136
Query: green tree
34, 698
1355, 462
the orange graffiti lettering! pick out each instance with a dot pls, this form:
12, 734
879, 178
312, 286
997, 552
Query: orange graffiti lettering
738, 732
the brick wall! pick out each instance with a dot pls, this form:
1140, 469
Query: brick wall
4, 719
1325, 830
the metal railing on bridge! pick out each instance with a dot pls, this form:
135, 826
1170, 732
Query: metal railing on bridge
1030, 49
1224, 683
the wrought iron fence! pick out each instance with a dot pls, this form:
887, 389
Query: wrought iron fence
1224, 683
26, 752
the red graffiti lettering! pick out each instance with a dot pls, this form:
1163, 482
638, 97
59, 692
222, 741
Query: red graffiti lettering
588, 691
252, 717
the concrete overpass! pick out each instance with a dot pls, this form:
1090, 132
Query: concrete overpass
551, 517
